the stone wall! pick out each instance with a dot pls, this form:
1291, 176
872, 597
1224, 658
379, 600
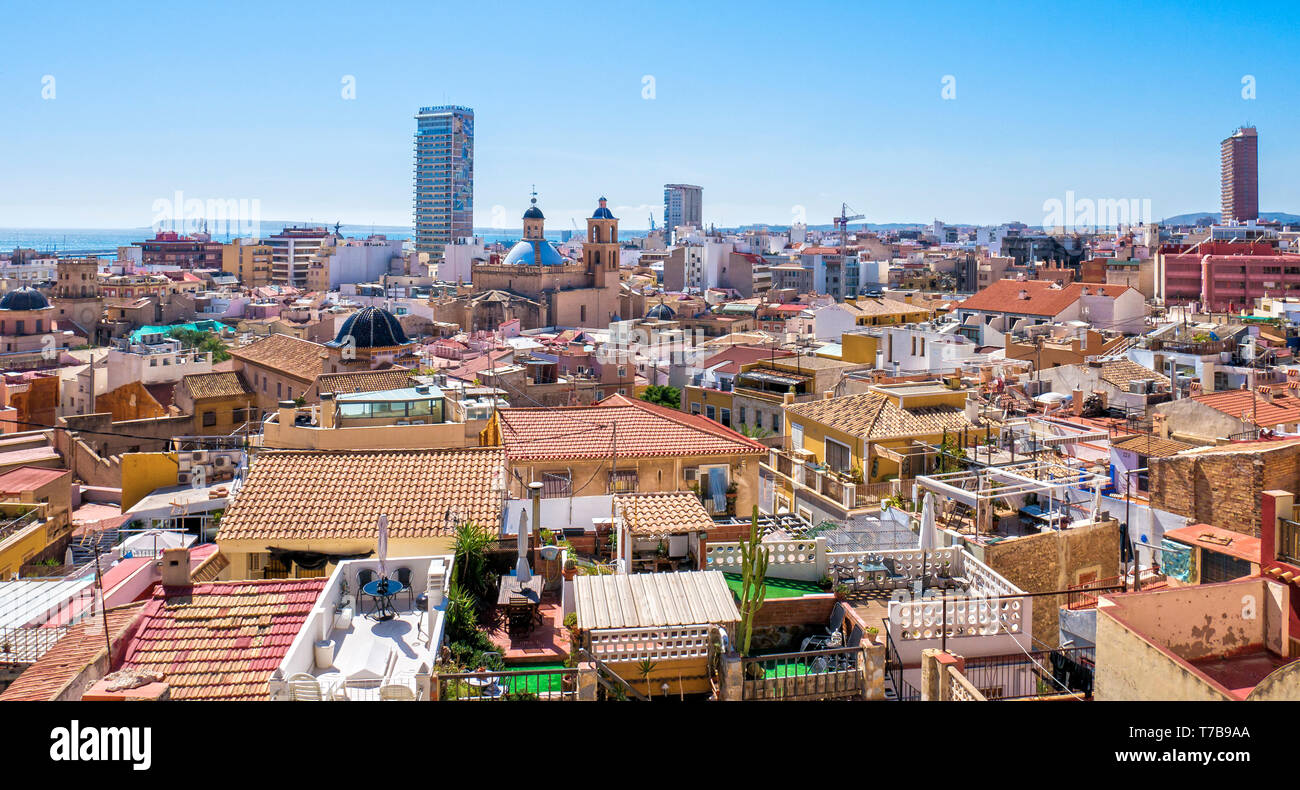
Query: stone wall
1054, 561
1224, 489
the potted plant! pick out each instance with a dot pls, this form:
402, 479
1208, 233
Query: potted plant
841, 592
872, 631
824, 582
662, 548
570, 570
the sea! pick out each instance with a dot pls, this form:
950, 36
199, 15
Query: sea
105, 241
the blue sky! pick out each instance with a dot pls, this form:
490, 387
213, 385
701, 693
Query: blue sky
768, 106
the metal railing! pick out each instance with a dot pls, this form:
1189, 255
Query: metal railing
1084, 596
506, 685
1034, 674
810, 675
1288, 541
18, 524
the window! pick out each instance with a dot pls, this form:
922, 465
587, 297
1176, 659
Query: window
1221, 567
622, 481
279, 390
710, 412
776, 422
695, 408
838, 456
726, 417
742, 415
796, 436
556, 484
209, 419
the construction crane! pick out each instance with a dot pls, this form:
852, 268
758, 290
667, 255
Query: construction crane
842, 224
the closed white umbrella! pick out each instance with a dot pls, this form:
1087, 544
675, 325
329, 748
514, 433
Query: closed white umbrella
522, 571
383, 547
929, 535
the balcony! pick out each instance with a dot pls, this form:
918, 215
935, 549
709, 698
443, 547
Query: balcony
1288, 541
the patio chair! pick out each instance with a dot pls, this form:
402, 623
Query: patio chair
396, 691
404, 576
364, 576
519, 615
304, 687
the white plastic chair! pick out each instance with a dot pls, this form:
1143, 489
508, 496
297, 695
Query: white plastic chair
304, 687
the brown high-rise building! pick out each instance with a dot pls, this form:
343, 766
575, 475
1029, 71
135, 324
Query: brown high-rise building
1239, 167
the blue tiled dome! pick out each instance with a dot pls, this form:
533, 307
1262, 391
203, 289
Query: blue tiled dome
661, 312
25, 298
533, 212
525, 253
602, 212
371, 327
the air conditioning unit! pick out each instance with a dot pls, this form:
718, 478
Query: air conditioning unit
221, 461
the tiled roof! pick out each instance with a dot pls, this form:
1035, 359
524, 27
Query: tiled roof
643, 429
29, 478
289, 355
208, 569
363, 381
1121, 371
76, 650
873, 415
215, 385
1151, 445
1245, 405
730, 360
307, 495
1043, 297
883, 306
662, 513
221, 640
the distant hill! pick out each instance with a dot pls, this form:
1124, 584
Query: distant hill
1192, 219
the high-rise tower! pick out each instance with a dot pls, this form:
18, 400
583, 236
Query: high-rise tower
1239, 174
444, 177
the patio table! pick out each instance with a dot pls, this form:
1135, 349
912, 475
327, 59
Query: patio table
383, 591
487, 686
510, 586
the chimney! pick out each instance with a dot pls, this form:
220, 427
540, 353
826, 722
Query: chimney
1076, 402
175, 567
788, 398
1160, 424
285, 413
329, 409
828, 394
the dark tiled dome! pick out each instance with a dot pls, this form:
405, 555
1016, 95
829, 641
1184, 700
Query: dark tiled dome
533, 212
25, 298
371, 327
661, 312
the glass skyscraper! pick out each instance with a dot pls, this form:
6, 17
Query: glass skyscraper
444, 177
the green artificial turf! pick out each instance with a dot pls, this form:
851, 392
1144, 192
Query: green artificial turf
777, 588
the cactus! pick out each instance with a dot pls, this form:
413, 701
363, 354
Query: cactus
753, 571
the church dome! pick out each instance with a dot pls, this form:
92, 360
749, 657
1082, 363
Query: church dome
525, 253
603, 212
533, 212
25, 298
661, 312
371, 327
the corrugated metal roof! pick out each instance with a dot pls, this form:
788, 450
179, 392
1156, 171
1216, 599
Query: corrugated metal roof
31, 601
649, 600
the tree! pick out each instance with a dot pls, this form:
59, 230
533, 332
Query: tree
203, 341
663, 396
753, 572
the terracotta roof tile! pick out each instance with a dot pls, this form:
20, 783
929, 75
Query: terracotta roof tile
643, 429
313, 495
662, 513
215, 385
1121, 371
1043, 297
1245, 405
873, 415
221, 640
364, 381
289, 355
1143, 444
78, 649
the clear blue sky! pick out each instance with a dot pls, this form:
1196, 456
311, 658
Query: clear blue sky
768, 106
